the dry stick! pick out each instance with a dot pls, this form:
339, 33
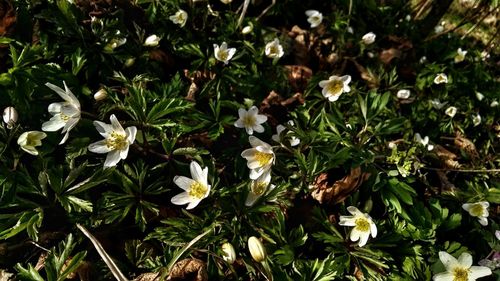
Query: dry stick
107, 259
266, 9
464, 170
243, 12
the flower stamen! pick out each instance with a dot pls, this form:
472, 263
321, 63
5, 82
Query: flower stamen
362, 224
197, 190
116, 141
263, 158
460, 274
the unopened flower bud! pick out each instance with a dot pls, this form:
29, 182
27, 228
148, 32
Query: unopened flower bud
152, 41
10, 116
247, 29
100, 95
229, 253
256, 249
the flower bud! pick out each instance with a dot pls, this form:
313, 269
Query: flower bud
229, 253
152, 41
368, 38
100, 95
256, 249
247, 29
10, 116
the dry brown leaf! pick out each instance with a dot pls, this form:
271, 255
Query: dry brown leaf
386, 56
301, 45
467, 146
162, 57
446, 185
7, 17
358, 273
274, 105
298, 76
189, 270
148, 277
447, 157
340, 190
366, 75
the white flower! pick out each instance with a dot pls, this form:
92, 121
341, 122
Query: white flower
116, 140
460, 55
403, 94
247, 29
180, 18
257, 250
100, 95
152, 41
10, 117
195, 189
451, 111
222, 53
294, 141
441, 78
476, 119
274, 49
259, 187
314, 18
226, 1
461, 269
363, 225
65, 114
335, 86
494, 103
438, 104
259, 158
368, 38
28, 140
479, 210
229, 255
251, 120
408, 17
479, 96
424, 141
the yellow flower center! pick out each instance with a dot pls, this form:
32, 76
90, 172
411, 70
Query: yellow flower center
263, 158
476, 210
460, 274
362, 224
116, 141
249, 120
335, 87
223, 55
64, 117
32, 140
273, 50
197, 190
259, 188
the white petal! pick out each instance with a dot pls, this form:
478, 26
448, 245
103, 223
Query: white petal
112, 158
483, 221
124, 152
103, 128
196, 172
55, 123
258, 128
65, 138
260, 118
255, 173
448, 260
479, 271
310, 13
347, 221
249, 130
467, 206
55, 108
183, 182
373, 229
363, 238
355, 235
72, 97
117, 127
251, 199
242, 113
485, 204
443, 276
465, 259
193, 204
239, 123
346, 79
181, 199
99, 147
253, 111
354, 211
131, 133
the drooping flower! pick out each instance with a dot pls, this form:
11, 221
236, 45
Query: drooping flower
28, 140
260, 157
100, 95
274, 49
222, 53
180, 18
479, 210
229, 255
441, 78
437, 104
10, 117
152, 41
335, 86
363, 225
460, 55
451, 111
65, 115
116, 141
479, 96
294, 141
476, 119
247, 29
368, 38
403, 94
314, 18
424, 141
251, 120
257, 250
195, 189
259, 187
461, 269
